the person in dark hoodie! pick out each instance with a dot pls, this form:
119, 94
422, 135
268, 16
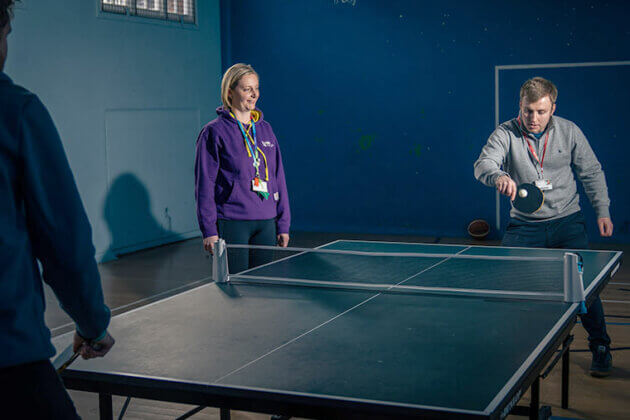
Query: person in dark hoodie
41, 220
240, 186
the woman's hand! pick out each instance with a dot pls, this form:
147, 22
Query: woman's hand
208, 243
283, 240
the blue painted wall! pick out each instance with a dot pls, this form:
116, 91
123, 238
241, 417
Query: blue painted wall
129, 96
381, 107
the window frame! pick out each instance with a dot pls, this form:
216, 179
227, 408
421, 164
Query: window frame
132, 13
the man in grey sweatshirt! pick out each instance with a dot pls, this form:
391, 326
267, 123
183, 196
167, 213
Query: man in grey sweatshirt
538, 147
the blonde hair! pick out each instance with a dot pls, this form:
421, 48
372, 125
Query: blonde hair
232, 76
536, 88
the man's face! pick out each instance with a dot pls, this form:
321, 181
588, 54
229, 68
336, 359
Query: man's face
4, 34
536, 115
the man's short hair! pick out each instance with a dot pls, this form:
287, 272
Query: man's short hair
536, 88
6, 12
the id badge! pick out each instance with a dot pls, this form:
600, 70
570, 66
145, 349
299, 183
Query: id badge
543, 184
258, 185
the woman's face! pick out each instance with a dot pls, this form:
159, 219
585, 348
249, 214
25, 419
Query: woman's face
245, 95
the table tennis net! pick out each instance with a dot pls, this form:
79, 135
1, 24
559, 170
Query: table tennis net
555, 278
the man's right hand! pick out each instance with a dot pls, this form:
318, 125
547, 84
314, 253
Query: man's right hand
92, 349
208, 243
506, 186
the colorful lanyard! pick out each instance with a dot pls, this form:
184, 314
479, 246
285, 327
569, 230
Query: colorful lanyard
251, 145
531, 148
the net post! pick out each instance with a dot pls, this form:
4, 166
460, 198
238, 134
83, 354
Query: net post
220, 272
573, 284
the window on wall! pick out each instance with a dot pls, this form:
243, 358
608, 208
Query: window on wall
179, 10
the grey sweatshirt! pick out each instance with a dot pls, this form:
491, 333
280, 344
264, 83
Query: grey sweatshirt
568, 152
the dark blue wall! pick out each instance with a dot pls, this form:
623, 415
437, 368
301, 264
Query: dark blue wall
382, 107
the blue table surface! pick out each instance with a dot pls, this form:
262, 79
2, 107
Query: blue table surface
426, 350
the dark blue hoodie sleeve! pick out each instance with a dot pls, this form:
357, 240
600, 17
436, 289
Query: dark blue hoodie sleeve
58, 226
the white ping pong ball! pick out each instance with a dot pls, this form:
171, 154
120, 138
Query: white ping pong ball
522, 193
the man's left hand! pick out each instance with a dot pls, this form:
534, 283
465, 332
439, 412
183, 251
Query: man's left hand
605, 226
283, 240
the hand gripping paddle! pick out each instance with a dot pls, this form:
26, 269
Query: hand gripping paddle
66, 357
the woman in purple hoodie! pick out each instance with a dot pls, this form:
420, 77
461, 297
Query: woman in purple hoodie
240, 186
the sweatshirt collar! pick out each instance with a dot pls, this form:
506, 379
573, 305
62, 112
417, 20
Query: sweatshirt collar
225, 113
523, 129
4, 77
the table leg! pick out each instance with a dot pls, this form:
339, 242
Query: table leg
105, 406
534, 404
565, 371
225, 413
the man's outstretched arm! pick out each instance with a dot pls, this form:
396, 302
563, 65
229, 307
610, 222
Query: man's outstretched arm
58, 226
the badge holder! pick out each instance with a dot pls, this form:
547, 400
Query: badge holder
544, 184
259, 186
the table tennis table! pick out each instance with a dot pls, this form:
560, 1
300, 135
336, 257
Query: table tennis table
335, 352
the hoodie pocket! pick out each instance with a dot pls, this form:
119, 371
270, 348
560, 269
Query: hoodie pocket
223, 190
240, 192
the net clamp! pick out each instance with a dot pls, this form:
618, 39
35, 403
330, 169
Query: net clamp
220, 273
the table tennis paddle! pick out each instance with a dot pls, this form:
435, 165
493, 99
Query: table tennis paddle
68, 362
529, 198
65, 359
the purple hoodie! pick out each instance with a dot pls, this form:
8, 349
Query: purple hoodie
224, 174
